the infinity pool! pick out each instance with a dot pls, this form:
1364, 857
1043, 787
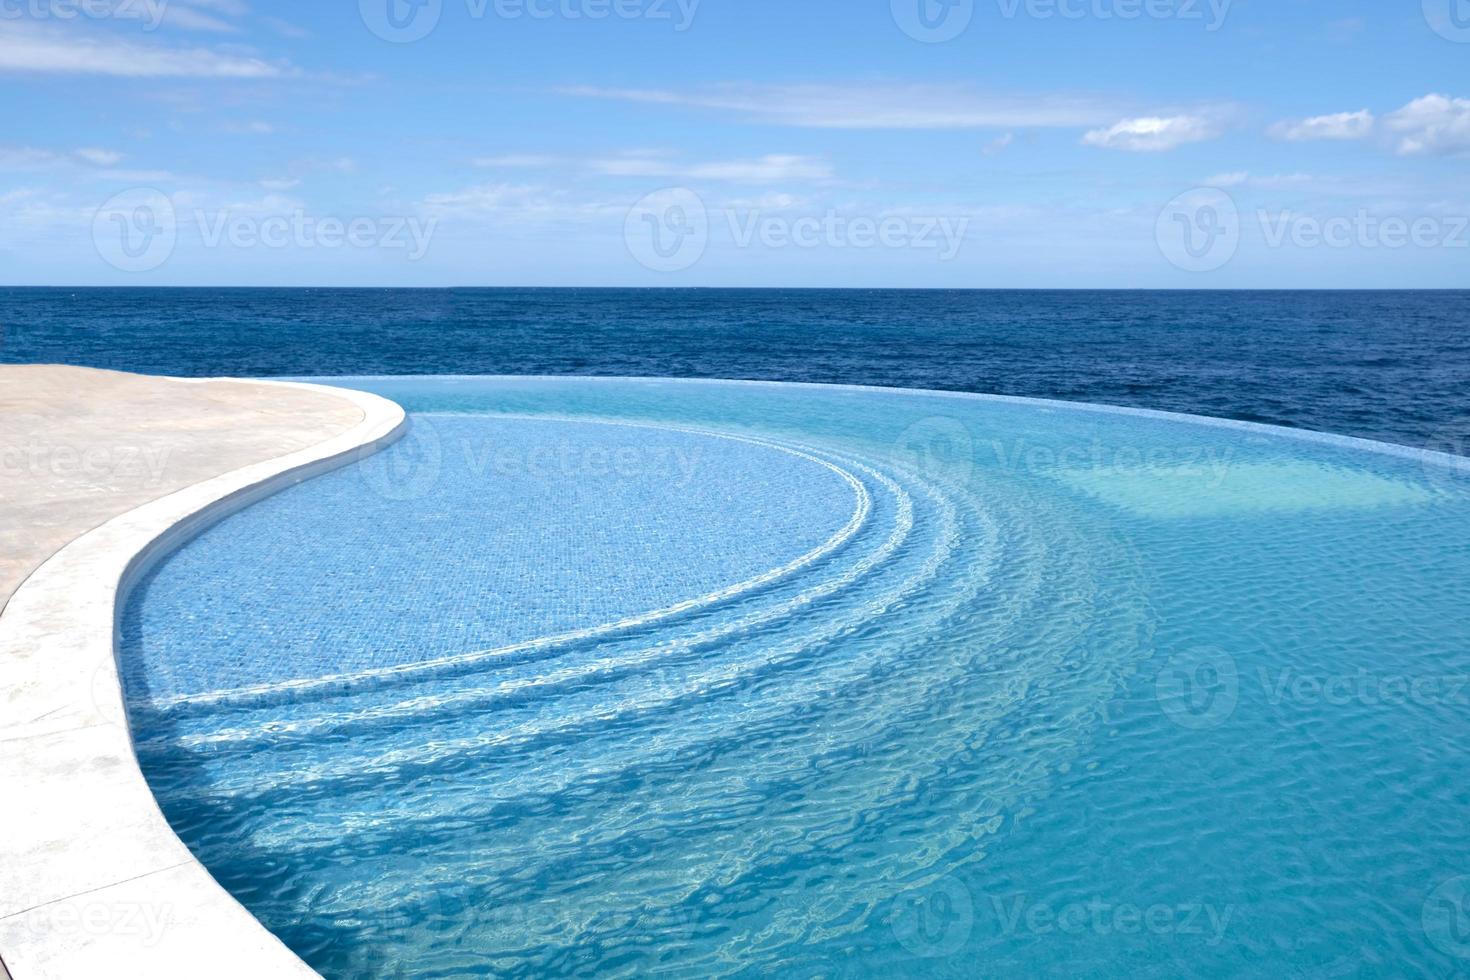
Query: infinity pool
619, 678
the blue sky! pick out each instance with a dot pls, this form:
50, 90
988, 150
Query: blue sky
930, 143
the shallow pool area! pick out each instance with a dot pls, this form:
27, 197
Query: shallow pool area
618, 678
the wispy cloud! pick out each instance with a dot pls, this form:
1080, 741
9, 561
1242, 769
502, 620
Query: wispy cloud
1154, 134
1435, 124
515, 160
999, 145
32, 158
252, 128
99, 157
652, 163
766, 169
1327, 186
1338, 126
1243, 178
179, 16
868, 106
25, 48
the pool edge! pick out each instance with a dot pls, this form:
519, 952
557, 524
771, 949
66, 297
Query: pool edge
1380, 447
168, 917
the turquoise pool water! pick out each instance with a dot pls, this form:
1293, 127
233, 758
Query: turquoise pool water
621, 678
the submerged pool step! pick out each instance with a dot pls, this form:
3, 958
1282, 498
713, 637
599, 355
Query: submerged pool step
447, 736
244, 727
868, 789
550, 770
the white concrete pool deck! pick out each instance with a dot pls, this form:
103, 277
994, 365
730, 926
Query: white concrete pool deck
99, 474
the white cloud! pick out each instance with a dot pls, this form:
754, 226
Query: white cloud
655, 163
188, 19
25, 158
1435, 124
1154, 134
30, 158
280, 184
490, 198
24, 49
1273, 182
872, 106
773, 167
517, 160
253, 128
101, 158
286, 29
999, 144
1237, 178
1338, 126
139, 176
768, 202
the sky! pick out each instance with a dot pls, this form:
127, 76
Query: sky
841, 143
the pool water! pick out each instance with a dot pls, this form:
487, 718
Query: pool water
626, 678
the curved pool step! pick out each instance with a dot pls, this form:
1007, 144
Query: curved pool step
814, 686
232, 727
463, 739
159, 709
867, 792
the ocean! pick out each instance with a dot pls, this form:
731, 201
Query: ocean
1380, 365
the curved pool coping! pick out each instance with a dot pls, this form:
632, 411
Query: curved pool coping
1358, 443
107, 888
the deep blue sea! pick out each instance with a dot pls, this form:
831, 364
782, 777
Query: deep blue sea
1383, 365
